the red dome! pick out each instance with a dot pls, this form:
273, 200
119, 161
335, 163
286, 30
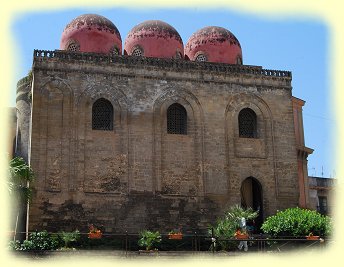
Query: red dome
91, 33
214, 44
154, 38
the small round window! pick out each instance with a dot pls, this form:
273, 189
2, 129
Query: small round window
179, 55
239, 61
114, 51
73, 47
201, 58
137, 52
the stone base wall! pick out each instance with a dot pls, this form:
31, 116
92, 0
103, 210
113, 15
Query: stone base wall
133, 213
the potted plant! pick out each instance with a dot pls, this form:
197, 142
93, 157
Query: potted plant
94, 232
69, 237
310, 236
149, 239
177, 235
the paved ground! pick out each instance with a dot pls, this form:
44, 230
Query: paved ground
122, 254
119, 254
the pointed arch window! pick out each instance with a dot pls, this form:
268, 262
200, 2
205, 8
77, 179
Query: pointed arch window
176, 119
102, 115
17, 149
247, 123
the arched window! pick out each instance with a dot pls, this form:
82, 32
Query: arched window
176, 119
239, 60
17, 148
178, 55
73, 46
114, 51
201, 58
247, 123
137, 52
102, 115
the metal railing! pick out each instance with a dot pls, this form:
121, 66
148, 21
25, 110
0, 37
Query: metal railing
321, 182
126, 244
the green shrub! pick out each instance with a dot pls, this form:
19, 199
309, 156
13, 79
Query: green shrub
236, 212
297, 222
40, 241
224, 229
28, 245
14, 245
149, 239
69, 237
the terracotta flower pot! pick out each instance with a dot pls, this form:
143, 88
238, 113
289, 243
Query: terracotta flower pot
312, 237
175, 236
242, 236
96, 235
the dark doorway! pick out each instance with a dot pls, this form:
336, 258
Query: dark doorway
251, 196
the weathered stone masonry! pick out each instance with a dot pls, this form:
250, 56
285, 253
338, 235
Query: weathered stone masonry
137, 175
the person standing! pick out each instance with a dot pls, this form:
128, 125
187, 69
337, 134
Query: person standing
243, 244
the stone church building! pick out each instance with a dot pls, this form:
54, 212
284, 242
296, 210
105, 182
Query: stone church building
156, 134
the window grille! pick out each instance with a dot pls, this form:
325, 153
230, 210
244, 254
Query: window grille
239, 60
114, 51
137, 52
179, 55
73, 47
102, 115
322, 208
201, 58
176, 119
247, 123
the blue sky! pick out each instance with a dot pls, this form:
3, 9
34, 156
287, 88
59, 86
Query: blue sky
297, 44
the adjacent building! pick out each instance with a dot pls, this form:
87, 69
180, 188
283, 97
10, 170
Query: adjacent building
321, 194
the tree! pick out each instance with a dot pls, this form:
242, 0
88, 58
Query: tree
236, 212
20, 176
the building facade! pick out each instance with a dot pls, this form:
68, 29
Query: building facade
321, 194
161, 137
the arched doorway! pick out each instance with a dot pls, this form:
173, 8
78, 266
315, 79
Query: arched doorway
251, 196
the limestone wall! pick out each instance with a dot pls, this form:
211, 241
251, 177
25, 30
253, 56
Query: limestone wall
138, 176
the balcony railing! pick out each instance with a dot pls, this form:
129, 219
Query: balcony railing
316, 182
